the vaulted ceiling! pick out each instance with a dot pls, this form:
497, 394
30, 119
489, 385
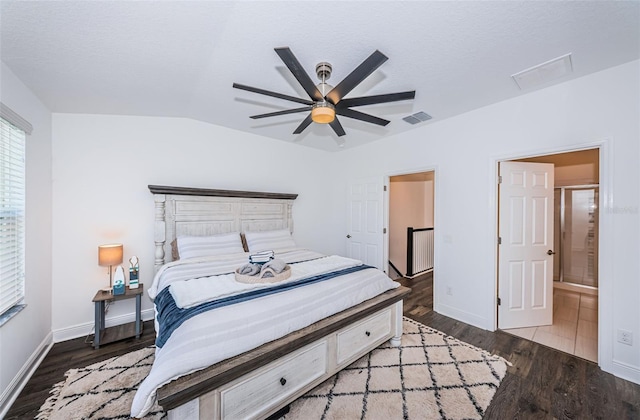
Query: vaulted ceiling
180, 58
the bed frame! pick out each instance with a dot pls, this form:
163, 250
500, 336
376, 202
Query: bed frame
260, 382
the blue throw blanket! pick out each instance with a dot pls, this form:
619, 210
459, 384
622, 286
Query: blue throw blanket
170, 316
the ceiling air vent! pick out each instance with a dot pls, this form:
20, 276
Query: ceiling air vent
418, 117
543, 73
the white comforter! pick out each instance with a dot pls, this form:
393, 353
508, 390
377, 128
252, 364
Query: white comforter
231, 330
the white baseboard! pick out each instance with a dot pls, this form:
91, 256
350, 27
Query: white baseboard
16, 385
83, 330
626, 371
463, 316
430, 270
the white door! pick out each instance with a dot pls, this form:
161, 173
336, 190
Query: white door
525, 266
365, 237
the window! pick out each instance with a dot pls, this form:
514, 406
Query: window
12, 214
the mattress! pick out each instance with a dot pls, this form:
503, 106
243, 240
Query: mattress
224, 332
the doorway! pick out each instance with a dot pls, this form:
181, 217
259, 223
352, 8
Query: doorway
411, 204
574, 328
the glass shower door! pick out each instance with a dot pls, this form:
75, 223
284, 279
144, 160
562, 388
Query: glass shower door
578, 235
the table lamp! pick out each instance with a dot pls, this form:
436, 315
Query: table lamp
108, 256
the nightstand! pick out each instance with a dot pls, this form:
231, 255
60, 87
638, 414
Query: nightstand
104, 335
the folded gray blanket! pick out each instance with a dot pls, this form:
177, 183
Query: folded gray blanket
277, 265
249, 269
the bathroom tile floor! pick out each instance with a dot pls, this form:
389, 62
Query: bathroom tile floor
575, 325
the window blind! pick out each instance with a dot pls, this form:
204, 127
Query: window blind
12, 214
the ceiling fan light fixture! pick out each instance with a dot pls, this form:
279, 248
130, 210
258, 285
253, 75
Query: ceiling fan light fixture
323, 112
324, 97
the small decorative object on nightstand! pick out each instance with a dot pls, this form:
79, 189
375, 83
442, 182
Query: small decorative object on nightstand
118, 281
133, 272
103, 335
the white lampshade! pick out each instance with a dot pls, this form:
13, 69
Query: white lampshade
110, 254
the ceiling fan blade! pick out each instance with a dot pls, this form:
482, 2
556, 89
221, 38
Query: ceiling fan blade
337, 127
301, 76
357, 115
361, 72
376, 99
283, 112
304, 124
274, 94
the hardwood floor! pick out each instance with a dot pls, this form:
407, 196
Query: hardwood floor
543, 383
64, 356
420, 301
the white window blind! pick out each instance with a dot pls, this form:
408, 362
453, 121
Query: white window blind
12, 214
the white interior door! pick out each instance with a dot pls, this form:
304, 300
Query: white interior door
525, 266
365, 236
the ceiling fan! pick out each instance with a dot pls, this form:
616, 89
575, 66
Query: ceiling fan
325, 100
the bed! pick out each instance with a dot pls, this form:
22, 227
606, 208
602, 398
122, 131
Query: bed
251, 358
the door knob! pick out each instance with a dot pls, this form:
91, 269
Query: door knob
348, 236
550, 252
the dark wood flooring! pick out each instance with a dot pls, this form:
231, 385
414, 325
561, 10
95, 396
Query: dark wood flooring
543, 383
67, 355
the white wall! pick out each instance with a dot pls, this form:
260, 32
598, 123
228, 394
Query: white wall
24, 337
602, 108
102, 166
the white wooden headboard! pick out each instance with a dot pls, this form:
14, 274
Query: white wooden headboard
181, 211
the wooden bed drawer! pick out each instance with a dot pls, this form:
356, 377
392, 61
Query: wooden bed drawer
366, 333
252, 394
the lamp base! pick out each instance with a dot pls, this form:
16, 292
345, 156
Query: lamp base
110, 288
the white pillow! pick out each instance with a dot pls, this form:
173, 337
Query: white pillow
271, 240
205, 246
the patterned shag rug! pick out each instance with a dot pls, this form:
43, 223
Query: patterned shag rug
431, 376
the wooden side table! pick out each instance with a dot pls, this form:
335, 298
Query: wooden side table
103, 335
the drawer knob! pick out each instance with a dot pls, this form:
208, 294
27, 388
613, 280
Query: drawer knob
283, 381
367, 333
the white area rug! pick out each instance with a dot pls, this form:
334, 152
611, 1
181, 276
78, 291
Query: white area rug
431, 376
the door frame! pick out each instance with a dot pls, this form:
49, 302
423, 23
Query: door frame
436, 237
605, 240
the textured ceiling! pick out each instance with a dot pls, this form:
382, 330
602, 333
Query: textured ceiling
180, 58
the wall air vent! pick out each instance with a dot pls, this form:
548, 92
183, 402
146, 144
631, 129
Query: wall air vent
418, 117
